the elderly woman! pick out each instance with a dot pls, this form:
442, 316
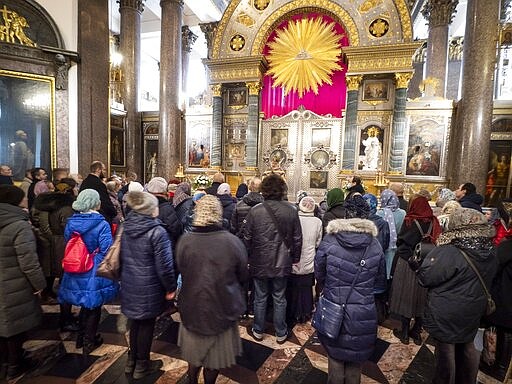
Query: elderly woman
228, 203
335, 209
213, 264
456, 297
183, 204
21, 279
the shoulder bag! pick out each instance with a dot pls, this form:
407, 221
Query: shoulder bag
491, 305
422, 249
278, 228
328, 317
110, 266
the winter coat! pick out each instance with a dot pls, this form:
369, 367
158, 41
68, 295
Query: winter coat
185, 213
49, 215
213, 264
167, 214
382, 228
269, 255
241, 210
212, 190
336, 212
456, 299
117, 205
473, 201
502, 286
228, 206
311, 237
86, 289
336, 264
20, 273
107, 209
147, 267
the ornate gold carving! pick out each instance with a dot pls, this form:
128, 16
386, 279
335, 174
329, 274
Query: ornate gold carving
379, 27
261, 5
439, 12
405, 18
237, 42
428, 86
244, 19
221, 27
354, 82
254, 87
12, 30
216, 90
209, 33
402, 79
245, 68
368, 5
304, 55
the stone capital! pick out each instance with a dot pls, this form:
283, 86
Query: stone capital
402, 79
439, 12
188, 38
216, 90
254, 87
177, 2
353, 82
209, 32
137, 5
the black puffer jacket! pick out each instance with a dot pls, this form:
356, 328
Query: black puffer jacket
185, 212
168, 215
456, 298
147, 271
20, 273
336, 212
473, 201
228, 206
213, 264
242, 208
502, 286
268, 256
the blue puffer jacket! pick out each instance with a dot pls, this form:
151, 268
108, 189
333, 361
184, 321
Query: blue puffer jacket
86, 289
147, 271
336, 264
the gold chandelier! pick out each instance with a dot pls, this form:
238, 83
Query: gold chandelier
304, 55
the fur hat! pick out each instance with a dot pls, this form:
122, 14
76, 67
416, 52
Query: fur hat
450, 206
208, 211
356, 206
157, 185
87, 199
224, 189
307, 204
142, 202
10, 194
135, 186
462, 217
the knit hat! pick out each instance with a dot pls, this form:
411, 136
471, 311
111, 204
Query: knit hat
10, 194
208, 211
135, 186
157, 185
356, 206
224, 189
301, 195
241, 191
66, 184
450, 206
307, 204
87, 199
142, 202
335, 197
462, 217
41, 187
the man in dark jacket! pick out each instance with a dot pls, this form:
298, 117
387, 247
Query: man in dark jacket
5, 175
218, 179
273, 236
94, 181
244, 206
468, 198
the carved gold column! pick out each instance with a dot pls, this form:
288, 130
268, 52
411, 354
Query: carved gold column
439, 14
350, 140
217, 107
397, 152
169, 149
251, 154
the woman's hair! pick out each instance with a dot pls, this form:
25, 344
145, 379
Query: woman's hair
450, 206
273, 187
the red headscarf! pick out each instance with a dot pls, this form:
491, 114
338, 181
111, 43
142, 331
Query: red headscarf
419, 209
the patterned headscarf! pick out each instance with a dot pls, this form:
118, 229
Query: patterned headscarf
372, 202
389, 203
419, 209
335, 197
208, 211
356, 206
181, 194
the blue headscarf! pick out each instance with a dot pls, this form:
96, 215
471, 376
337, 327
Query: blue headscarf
372, 202
389, 203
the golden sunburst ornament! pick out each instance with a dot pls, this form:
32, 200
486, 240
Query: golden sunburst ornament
304, 55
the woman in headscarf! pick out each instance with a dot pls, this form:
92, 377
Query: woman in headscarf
213, 264
407, 296
456, 297
335, 209
241, 191
183, 204
228, 203
380, 223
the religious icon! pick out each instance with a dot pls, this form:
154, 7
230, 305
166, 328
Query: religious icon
198, 146
320, 137
426, 143
370, 153
279, 137
320, 158
237, 97
375, 90
498, 174
318, 179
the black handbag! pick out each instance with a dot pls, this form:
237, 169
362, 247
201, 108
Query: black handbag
422, 249
328, 316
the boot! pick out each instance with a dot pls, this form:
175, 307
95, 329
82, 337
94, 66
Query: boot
144, 368
90, 346
504, 353
403, 334
415, 332
130, 363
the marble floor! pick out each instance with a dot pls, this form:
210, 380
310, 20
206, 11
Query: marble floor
299, 360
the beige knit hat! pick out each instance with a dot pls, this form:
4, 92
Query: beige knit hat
208, 211
157, 185
142, 202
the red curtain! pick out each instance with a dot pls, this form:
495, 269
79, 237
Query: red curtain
331, 99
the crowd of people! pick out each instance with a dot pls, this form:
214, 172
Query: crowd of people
218, 258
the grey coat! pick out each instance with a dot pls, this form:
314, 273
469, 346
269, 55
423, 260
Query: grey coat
20, 273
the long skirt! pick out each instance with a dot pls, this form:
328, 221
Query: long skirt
299, 298
408, 298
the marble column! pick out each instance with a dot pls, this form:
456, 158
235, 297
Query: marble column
350, 138
216, 151
251, 145
93, 79
169, 150
471, 138
439, 14
188, 39
398, 150
131, 11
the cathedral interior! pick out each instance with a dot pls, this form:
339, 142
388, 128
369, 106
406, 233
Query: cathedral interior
413, 91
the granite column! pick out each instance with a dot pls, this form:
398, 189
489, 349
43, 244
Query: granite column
169, 138
350, 137
188, 39
131, 11
396, 159
473, 130
251, 154
217, 106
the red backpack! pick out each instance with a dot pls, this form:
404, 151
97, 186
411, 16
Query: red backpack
77, 258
